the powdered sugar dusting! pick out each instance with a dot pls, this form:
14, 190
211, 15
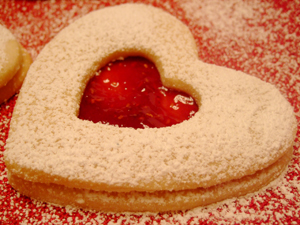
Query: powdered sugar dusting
274, 21
254, 131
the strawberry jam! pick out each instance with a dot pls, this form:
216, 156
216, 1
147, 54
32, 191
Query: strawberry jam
129, 93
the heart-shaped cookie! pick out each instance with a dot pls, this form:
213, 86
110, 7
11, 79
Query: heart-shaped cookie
243, 127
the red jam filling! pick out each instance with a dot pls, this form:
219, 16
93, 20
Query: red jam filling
129, 93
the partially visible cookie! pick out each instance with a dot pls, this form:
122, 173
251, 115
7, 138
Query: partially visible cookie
14, 64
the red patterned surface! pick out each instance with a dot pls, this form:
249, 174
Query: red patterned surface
259, 37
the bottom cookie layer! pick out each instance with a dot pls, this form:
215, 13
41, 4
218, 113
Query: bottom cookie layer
159, 201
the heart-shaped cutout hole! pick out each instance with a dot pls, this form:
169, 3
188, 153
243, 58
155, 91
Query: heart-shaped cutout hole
129, 93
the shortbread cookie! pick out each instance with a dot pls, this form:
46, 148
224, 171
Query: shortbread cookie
243, 125
14, 85
14, 64
10, 56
